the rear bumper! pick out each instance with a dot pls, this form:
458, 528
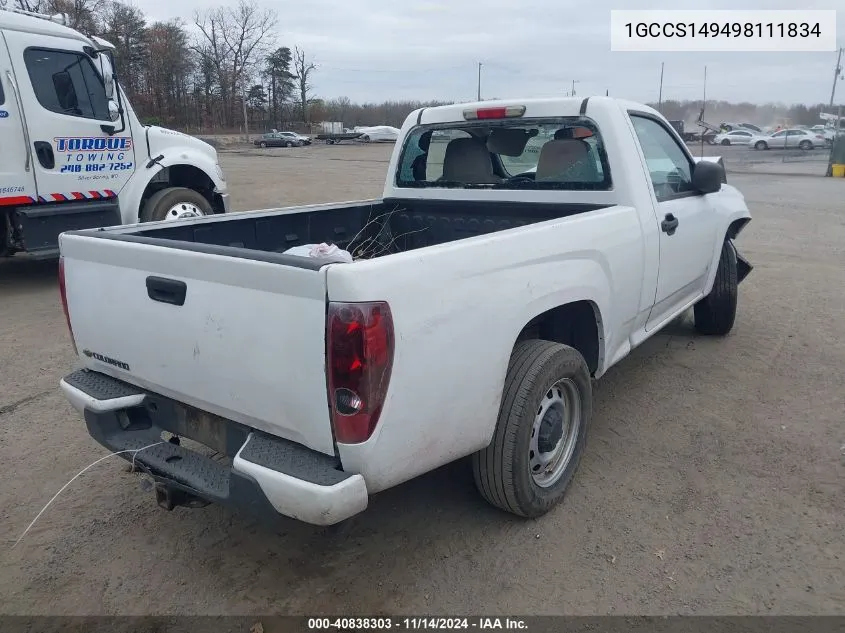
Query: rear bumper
253, 471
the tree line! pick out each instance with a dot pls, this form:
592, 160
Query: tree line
203, 77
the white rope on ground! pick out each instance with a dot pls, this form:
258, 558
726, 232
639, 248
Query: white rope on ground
134, 452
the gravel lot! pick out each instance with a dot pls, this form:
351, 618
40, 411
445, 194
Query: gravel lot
712, 481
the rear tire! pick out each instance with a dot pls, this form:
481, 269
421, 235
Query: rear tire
506, 471
761, 145
715, 314
805, 145
173, 203
263, 145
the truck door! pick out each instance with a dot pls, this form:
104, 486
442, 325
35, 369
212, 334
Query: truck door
67, 109
17, 174
687, 221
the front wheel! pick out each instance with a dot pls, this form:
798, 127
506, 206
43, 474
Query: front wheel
263, 145
175, 203
715, 314
725, 141
761, 145
541, 430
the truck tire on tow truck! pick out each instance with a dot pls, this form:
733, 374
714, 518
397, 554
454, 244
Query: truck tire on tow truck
541, 431
716, 313
175, 203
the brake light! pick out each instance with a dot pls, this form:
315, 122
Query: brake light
63, 294
506, 112
359, 338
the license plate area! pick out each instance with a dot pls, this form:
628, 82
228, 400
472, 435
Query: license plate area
219, 434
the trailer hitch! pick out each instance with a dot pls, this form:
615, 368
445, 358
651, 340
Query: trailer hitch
169, 497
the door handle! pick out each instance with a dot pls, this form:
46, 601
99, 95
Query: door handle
44, 152
669, 224
165, 290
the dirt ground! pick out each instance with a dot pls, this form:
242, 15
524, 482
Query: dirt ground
712, 482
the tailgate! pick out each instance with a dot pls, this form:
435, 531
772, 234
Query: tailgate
247, 343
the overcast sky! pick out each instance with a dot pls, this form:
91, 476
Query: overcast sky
372, 50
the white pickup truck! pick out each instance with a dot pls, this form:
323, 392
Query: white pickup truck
521, 248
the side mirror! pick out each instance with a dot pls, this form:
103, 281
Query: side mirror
108, 83
707, 177
114, 110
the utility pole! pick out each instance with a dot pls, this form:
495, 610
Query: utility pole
246, 119
660, 94
703, 106
479, 81
574, 81
836, 72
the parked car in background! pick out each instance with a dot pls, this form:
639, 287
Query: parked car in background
378, 134
828, 133
791, 138
737, 137
281, 139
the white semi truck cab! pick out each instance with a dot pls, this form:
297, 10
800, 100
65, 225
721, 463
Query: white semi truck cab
74, 153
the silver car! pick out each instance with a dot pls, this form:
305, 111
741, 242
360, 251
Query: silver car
792, 138
735, 137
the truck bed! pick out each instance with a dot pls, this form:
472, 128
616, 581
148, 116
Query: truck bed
366, 229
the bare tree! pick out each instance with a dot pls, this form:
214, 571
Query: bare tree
125, 26
233, 38
302, 68
39, 6
83, 14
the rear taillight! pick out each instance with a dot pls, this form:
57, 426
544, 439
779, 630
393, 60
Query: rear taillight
63, 294
359, 340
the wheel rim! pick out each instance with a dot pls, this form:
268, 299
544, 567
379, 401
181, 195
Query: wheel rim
182, 210
554, 433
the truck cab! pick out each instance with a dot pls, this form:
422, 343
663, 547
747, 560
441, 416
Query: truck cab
75, 154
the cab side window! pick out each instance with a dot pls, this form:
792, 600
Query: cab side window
67, 83
2, 96
668, 165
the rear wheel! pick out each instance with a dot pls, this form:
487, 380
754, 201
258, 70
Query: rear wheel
288, 144
263, 144
716, 313
761, 145
806, 145
175, 203
541, 430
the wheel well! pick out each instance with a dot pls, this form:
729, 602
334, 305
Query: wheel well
575, 324
183, 176
736, 227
